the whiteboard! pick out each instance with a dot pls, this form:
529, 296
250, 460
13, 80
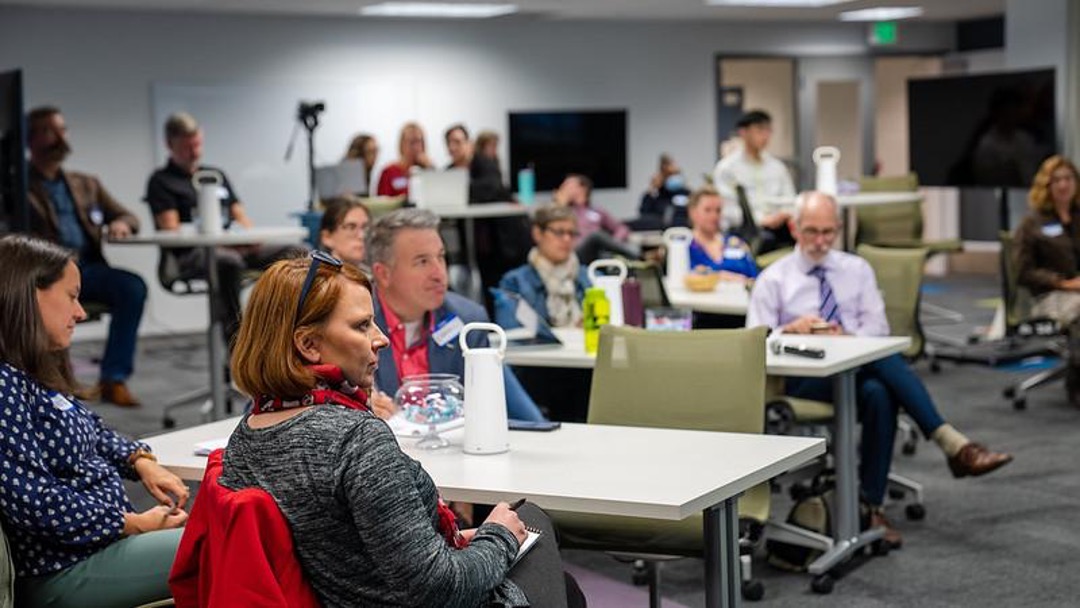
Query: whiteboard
247, 128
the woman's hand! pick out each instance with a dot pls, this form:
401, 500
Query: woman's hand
167, 488
508, 519
154, 518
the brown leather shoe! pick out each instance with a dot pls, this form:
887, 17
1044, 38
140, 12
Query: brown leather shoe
974, 459
892, 536
87, 393
117, 393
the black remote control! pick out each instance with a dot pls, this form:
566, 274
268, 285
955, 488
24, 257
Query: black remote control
805, 351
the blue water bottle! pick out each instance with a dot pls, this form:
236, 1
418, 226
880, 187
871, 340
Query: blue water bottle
526, 185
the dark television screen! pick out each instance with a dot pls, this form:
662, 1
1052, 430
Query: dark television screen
591, 143
985, 130
13, 204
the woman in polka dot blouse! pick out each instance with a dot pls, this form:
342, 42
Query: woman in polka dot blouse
75, 538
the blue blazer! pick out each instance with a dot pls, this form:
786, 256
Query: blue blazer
448, 359
526, 282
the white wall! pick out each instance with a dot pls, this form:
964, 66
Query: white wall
99, 67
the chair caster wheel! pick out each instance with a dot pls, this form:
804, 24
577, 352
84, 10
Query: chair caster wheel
896, 493
1020, 404
753, 591
935, 367
915, 512
822, 584
640, 576
168, 423
1009, 392
880, 548
908, 449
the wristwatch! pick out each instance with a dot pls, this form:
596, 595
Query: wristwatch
141, 453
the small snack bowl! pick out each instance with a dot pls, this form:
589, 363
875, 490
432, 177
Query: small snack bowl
701, 281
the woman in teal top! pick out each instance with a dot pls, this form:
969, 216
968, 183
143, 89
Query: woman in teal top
728, 255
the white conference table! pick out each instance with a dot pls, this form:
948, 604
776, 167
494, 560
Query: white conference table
468, 215
187, 236
728, 298
844, 355
636, 472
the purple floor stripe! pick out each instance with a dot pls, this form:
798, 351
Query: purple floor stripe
604, 592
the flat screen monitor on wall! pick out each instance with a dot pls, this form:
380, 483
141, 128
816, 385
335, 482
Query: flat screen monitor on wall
592, 143
989, 130
13, 204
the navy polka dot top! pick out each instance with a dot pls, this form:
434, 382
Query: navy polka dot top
61, 495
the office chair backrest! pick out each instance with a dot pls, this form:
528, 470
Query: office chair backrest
749, 231
889, 224
889, 183
899, 275
173, 279
1018, 300
710, 380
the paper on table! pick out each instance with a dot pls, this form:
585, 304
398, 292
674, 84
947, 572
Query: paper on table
403, 428
203, 448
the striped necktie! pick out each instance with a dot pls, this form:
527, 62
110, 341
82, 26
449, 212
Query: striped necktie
829, 310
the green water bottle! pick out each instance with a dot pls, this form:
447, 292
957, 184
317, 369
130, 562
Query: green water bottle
596, 312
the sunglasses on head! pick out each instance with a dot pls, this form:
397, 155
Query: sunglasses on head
317, 257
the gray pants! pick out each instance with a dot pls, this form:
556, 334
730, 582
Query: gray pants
1061, 306
129, 572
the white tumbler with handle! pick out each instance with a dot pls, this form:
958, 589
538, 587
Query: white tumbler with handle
826, 158
612, 286
677, 240
486, 430
208, 184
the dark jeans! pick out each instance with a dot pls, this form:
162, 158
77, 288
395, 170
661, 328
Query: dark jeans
231, 264
125, 295
884, 388
540, 573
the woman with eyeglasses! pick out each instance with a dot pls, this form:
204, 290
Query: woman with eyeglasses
367, 522
75, 537
1048, 255
342, 230
711, 249
553, 281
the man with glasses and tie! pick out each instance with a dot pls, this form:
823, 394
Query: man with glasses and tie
819, 290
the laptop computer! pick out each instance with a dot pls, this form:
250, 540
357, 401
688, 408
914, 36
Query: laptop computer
524, 327
346, 177
438, 190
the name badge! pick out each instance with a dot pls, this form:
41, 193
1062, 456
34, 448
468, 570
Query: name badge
97, 217
400, 183
447, 330
61, 403
1052, 230
734, 253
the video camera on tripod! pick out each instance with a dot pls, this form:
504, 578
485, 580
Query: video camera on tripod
310, 110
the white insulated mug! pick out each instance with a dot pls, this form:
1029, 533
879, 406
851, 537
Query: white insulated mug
612, 286
486, 430
826, 158
677, 241
208, 184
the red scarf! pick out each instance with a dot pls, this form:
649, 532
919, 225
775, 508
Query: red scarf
332, 388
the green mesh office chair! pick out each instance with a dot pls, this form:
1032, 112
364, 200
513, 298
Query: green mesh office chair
899, 275
1018, 304
712, 380
896, 224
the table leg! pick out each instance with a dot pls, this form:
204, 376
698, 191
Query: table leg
846, 523
722, 580
215, 338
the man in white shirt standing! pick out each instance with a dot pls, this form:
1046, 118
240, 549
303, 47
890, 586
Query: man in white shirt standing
819, 290
761, 175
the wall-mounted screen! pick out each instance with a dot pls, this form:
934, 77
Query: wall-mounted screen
983, 130
592, 143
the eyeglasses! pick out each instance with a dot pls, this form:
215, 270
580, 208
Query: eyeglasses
317, 257
353, 227
813, 233
561, 233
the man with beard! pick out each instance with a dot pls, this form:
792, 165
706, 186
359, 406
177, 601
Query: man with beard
74, 210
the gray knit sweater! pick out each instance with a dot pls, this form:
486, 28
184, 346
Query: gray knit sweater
363, 515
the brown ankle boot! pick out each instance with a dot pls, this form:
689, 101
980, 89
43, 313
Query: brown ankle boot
117, 393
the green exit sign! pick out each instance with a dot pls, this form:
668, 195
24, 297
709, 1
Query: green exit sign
884, 33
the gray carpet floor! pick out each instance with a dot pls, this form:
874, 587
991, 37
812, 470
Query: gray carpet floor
1008, 539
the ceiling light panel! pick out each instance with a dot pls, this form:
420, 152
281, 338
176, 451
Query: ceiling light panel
438, 10
882, 13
